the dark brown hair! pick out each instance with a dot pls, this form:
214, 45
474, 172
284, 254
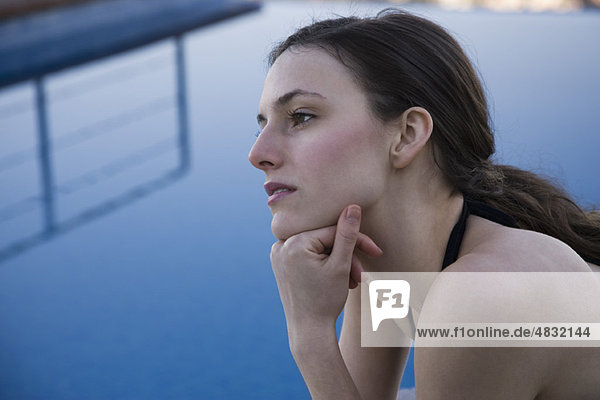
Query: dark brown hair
402, 60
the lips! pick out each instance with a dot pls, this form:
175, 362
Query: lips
275, 188
277, 191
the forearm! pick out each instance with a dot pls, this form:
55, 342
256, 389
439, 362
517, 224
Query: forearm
313, 271
320, 361
376, 371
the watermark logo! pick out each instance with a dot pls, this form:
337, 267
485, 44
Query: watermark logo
389, 299
480, 309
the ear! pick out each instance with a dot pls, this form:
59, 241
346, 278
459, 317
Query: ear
411, 133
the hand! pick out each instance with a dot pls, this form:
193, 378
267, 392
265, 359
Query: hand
313, 269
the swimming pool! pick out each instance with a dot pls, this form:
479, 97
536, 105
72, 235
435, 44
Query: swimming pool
167, 292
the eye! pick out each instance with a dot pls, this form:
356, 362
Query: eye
298, 118
262, 121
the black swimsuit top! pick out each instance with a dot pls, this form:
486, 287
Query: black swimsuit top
484, 211
475, 208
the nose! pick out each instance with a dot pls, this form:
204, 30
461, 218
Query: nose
265, 154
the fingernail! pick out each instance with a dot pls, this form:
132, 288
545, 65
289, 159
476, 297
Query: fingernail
353, 213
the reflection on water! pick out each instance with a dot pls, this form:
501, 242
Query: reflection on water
89, 165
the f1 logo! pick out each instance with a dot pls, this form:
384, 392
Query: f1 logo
389, 299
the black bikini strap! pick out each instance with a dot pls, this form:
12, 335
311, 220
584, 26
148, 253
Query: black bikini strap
475, 208
487, 212
455, 238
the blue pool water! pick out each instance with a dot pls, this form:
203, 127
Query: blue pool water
154, 281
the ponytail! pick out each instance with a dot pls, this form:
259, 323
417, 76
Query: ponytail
537, 204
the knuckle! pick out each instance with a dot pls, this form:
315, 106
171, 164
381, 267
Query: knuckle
275, 250
275, 247
295, 246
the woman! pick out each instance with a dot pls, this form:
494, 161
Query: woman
376, 148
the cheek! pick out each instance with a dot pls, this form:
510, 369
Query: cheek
334, 177
334, 148
347, 166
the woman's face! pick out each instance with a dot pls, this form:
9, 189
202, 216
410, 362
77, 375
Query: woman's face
319, 142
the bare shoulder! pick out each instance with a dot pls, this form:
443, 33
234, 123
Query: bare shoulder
493, 247
487, 280
463, 293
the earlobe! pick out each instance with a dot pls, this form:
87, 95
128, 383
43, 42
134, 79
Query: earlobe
411, 133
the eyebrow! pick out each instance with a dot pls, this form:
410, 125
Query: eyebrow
286, 98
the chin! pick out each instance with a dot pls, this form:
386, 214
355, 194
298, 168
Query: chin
283, 230
284, 227
281, 234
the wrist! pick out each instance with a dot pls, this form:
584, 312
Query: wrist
319, 359
310, 338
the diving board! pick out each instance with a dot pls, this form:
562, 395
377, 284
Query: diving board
37, 44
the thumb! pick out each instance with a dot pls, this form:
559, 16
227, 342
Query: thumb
346, 235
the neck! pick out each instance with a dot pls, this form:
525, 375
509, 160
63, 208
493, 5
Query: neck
412, 230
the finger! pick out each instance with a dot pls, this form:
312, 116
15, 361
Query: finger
352, 283
364, 243
346, 236
368, 246
356, 269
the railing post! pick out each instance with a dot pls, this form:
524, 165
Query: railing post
45, 159
182, 113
